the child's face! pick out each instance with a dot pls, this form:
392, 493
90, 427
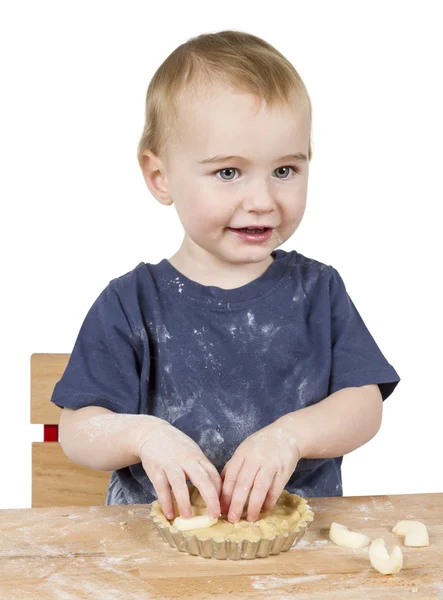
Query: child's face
213, 200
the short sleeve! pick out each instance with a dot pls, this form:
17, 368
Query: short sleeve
103, 369
356, 358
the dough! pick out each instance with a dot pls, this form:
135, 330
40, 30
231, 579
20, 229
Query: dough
382, 561
414, 532
289, 514
340, 535
199, 522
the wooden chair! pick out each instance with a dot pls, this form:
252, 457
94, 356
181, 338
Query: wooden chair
56, 480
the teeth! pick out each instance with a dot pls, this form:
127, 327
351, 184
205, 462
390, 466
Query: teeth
253, 229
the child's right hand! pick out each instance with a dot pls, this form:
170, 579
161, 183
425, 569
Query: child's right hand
170, 457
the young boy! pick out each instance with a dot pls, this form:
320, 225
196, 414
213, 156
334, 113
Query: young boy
237, 366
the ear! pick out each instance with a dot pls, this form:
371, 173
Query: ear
154, 174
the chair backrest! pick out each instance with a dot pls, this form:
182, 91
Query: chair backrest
56, 480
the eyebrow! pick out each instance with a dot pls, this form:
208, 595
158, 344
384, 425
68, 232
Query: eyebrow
220, 159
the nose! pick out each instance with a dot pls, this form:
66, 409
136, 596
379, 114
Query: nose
260, 201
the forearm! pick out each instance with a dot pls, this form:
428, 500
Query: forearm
101, 439
338, 424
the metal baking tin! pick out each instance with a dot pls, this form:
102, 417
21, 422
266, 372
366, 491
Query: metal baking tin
229, 550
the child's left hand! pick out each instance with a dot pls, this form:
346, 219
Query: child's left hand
262, 465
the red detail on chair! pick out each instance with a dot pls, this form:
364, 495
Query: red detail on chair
50, 433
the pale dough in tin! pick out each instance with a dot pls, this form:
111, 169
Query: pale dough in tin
289, 514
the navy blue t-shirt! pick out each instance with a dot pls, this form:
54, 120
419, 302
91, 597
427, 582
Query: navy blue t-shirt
221, 364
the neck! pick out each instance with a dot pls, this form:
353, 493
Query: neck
205, 268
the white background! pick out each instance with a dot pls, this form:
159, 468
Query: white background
76, 212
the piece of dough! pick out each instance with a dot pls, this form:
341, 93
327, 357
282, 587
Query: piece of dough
340, 535
196, 499
380, 559
200, 522
414, 532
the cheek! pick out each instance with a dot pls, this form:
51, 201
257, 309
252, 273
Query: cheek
202, 204
301, 210
294, 211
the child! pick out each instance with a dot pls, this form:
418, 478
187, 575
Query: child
235, 365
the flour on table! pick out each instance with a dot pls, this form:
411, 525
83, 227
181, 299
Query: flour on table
270, 582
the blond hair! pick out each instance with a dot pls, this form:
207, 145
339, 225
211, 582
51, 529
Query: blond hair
234, 58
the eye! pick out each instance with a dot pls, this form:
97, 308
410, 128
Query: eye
230, 171
294, 169
224, 171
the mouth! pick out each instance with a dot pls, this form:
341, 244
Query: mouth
253, 234
253, 229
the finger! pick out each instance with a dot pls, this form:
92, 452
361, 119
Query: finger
202, 480
224, 500
262, 484
277, 486
241, 491
213, 474
163, 490
225, 468
231, 472
177, 479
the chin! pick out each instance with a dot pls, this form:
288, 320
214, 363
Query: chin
247, 255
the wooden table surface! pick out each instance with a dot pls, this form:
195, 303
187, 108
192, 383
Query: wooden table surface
115, 552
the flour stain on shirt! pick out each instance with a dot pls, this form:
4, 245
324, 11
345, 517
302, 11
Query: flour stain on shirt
269, 331
161, 334
244, 420
141, 334
180, 285
301, 390
208, 356
179, 408
251, 319
210, 440
249, 332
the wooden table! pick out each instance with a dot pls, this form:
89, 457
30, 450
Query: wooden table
115, 553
